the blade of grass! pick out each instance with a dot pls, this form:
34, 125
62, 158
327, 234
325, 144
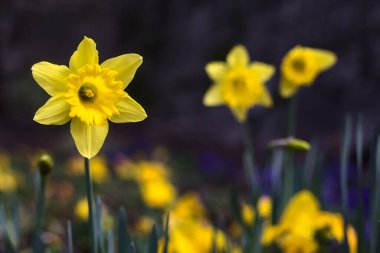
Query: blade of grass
276, 183
166, 242
375, 212
310, 164
360, 215
110, 242
345, 152
70, 246
153, 244
99, 223
124, 240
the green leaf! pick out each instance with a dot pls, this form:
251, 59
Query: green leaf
70, 246
166, 242
153, 241
99, 223
124, 240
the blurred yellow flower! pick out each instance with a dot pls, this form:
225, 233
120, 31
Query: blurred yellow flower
9, 179
195, 236
126, 170
301, 221
301, 66
158, 194
238, 83
352, 239
248, 214
264, 206
143, 225
189, 206
99, 169
149, 171
81, 209
81, 212
88, 94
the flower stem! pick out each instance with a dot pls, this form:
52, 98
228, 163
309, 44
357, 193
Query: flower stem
249, 161
37, 244
90, 199
292, 116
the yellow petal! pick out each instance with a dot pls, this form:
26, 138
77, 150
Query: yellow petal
213, 96
287, 89
240, 113
51, 77
88, 138
352, 239
54, 112
326, 59
238, 56
265, 99
215, 70
86, 53
126, 65
262, 70
130, 111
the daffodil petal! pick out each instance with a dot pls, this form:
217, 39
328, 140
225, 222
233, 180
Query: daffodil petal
326, 59
86, 53
238, 56
126, 65
88, 138
130, 111
213, 96
215, 70
240, 113
262, 70
54, 112
265, 99
287, 89
51, 77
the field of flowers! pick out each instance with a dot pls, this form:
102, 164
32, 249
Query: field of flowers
293, 196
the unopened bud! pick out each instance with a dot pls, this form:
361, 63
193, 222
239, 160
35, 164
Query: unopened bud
45, 164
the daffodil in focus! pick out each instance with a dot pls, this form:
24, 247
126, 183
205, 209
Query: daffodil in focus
301, 66
88, 94
238, 83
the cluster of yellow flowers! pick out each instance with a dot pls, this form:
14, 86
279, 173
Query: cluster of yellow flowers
9, 179
190, 230
240, 84
153, 178
302, 222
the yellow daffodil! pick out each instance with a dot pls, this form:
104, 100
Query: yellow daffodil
81, 209
88, 94
300, 224
301, 66
238, 83
158, 194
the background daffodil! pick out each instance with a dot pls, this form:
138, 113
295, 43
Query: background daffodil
88, 95
301, 66
238, 83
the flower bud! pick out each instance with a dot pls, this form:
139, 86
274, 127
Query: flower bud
45, 164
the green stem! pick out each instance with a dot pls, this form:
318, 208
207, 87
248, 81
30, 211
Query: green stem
90, 199
292, 113
37, 244
249, 161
